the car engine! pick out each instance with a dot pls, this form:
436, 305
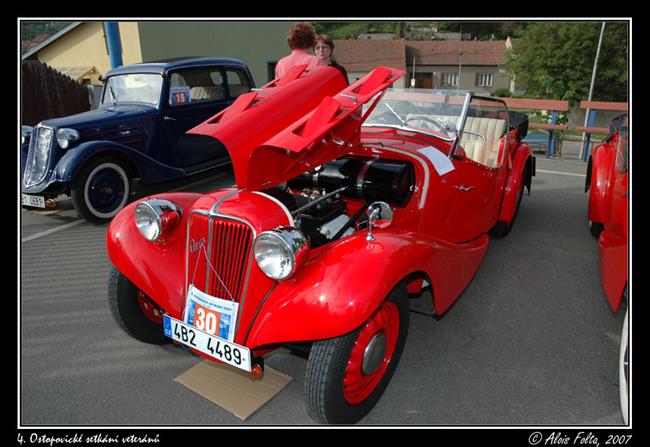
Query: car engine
316, 198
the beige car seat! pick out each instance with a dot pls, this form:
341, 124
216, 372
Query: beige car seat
203, 93
483, 149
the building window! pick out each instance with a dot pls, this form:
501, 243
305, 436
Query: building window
449, 79
484, 79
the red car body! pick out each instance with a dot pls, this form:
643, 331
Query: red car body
439, 234
607, 184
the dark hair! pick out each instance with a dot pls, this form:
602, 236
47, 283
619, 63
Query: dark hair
301, 36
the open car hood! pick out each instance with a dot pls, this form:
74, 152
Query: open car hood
294, 123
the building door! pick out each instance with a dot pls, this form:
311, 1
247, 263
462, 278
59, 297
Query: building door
423, 80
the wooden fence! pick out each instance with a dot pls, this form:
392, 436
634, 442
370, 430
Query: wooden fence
46, 93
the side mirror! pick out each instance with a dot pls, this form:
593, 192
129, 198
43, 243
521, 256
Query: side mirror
380, 215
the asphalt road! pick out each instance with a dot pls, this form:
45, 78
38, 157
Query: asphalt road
532, 340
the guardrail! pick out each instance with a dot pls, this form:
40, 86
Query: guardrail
553, 105
591, 108
557, 106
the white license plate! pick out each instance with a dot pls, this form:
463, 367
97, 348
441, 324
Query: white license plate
215, 347
30, 200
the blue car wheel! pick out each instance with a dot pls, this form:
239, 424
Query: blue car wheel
101, 189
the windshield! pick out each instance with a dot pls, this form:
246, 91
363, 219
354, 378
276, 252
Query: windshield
435, 112
141, 88
481, 123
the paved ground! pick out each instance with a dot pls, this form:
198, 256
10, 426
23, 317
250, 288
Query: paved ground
532, 340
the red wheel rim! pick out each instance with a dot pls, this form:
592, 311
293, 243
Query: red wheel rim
357, 385
149, 309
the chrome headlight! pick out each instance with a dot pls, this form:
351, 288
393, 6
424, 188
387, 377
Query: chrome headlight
66, 137
39, 154
155, 218
280, 252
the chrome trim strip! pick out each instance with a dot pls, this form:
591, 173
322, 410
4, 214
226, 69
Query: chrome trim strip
460, 124
362, 174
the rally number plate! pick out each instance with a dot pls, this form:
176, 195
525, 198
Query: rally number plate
215, 347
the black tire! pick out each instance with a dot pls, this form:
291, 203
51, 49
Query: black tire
123, 302
326, 368
100, 189
595, 228
624, 365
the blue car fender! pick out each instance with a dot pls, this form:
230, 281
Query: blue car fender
139, 164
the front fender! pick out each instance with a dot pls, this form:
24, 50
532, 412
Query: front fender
340, 286
601, 184
148, 168
522, 157
153, 267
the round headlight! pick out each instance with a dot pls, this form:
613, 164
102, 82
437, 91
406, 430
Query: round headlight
156, 217
279, 252
66, 137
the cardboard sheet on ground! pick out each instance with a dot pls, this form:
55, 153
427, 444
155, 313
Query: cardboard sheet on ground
233, 389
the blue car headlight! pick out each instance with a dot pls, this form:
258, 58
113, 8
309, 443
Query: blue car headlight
66, 137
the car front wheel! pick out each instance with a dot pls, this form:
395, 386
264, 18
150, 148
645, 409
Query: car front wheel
101, 189
134, 312
347, 375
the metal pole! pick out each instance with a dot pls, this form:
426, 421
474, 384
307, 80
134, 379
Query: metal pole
460, 54
591, 91
413, 75
113, 43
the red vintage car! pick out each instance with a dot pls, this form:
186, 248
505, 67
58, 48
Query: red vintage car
607, 184
347, 199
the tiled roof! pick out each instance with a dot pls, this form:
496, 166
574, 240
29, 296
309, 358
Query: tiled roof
446, 52
364, 55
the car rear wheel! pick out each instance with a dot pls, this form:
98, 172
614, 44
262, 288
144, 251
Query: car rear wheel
501, 229
135, 313
624, 367
347, 375
101, 189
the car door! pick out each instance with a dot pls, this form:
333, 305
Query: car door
483, 170
195, 95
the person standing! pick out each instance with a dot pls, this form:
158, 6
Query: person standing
301, 40
324, 48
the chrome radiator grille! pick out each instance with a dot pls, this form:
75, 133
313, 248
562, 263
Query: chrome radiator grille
219, 255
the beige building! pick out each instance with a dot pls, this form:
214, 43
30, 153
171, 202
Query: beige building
80, 50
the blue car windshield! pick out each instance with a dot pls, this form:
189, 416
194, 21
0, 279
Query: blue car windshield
138, 87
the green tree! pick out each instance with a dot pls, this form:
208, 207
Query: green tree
555, 60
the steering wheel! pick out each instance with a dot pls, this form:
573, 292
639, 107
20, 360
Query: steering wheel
437, 122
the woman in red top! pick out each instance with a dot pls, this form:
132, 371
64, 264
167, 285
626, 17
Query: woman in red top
301, 40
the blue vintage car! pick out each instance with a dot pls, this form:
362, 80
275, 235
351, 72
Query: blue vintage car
138, 132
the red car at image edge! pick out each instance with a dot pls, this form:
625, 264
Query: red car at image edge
608, 186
